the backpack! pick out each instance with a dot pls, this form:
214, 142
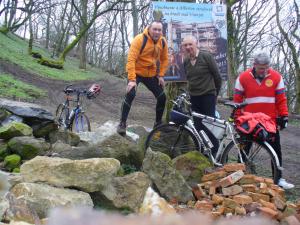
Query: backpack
257, 126
145, 39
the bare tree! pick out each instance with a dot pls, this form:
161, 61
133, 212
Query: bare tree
288, 34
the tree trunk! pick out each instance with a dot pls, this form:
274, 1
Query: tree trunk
48, 25
30, 43
83, 40
134, 18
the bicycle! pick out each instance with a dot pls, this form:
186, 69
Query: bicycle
75, 119
180, 136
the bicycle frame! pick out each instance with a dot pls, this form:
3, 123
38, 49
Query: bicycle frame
228, 131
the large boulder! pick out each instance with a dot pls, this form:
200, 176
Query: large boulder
28, 147
192, 166
43, 197
123, 149
124, 192
15, 129
26, 110
169, 182
60, 149
42, 129
88, 175
66, 137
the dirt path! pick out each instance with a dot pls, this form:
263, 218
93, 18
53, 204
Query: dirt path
107, 107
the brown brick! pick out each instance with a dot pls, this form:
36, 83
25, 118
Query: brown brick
228, 210
259, 179
217, 199
267, 204
278, 190
220, 209
268, 212
231, 179
207, 185
216, 215
229, 203
249, 187
263, 188
232, 190
252, 207
240, 211
269, 181
199, 192
279, 202
257, 196
247, 179
233, 167
291, 220
242, 199
203, 205
213, 176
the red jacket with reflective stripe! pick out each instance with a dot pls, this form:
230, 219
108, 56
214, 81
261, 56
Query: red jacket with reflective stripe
267, 97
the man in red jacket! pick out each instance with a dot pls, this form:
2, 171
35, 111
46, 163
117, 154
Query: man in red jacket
263, 89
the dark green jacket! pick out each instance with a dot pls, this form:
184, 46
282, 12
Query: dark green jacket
204, 77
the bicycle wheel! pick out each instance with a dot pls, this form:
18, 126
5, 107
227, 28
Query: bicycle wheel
172, 140
81, 123
257, 157
61, 115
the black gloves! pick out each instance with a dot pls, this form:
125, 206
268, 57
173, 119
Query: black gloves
282, 122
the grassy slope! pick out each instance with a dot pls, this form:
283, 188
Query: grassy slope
14, 49
10, 87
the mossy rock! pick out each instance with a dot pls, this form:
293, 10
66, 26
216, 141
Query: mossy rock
12, 161
3, 114
3, 151
192, 166
16, 170
36, 55
51, 63
15, 129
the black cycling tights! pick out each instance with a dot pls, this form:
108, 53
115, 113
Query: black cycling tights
152, 84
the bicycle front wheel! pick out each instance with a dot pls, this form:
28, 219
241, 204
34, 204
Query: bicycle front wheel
257, 157
61, 114
172, 140
81, 123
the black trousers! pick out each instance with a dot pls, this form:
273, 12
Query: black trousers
152, 84
205, 104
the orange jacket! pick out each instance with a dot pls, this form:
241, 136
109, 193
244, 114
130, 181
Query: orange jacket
145, 64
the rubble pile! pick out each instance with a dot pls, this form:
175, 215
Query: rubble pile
228, 191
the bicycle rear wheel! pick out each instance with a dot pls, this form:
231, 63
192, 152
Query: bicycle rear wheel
81, 123
172, 140
257, 157
61, 114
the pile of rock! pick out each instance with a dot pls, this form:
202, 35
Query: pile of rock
229, 191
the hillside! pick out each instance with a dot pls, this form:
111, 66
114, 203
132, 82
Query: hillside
22, 78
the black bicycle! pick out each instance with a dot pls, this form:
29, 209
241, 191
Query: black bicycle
75, 119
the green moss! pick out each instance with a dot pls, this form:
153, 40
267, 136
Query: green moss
3, 151
16, 170
12, 161
4, 30
15, 129
51, 63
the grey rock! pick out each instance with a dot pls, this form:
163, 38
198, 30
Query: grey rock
169, 182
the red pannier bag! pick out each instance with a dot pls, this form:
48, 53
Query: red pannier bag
259, 126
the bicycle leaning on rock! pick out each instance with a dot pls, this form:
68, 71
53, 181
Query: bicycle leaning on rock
180, 136
75, 119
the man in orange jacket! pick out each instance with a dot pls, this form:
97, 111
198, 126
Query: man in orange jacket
147, 63
263, 89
